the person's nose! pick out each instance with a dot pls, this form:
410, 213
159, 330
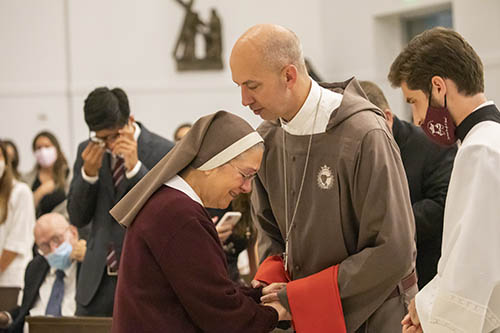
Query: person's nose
246, 96
246, 187
417, 119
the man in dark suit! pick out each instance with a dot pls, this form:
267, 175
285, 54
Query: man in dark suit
60, 251
428, 169
117, 155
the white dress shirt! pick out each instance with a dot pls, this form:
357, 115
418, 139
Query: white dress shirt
16, 234
68, 306
303, 121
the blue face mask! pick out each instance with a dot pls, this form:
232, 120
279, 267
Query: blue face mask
60, 258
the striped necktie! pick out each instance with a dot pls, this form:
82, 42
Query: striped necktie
118, 171
112, 260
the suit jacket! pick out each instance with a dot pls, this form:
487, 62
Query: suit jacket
90, 203
428, 169
35, 274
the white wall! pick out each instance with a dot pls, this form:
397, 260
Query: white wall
366, 36
54, 52
124, 43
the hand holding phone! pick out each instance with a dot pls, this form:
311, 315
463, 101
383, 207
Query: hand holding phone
230, 218
226, 225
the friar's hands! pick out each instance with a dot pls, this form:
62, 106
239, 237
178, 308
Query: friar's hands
283, 314
270, 292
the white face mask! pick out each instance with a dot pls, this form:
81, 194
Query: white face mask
46, 156
2, 168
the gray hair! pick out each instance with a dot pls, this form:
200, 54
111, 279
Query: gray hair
257, 146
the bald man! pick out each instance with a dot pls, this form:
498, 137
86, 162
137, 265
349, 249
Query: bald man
331, 196
60, 251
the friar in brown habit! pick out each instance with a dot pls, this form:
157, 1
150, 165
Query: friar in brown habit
331, 196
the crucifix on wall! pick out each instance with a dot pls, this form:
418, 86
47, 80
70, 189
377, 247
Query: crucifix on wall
185, 47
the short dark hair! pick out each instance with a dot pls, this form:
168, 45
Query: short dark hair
442, 52
375, 94
106, 109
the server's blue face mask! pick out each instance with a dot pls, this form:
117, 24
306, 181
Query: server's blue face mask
60, 258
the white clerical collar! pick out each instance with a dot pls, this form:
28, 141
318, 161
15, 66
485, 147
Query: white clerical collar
181, 185
303, 121
137, 131
484, 104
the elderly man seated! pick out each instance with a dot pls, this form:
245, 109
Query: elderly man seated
50, 278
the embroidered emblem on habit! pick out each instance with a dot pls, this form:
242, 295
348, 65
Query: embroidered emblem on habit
325, 178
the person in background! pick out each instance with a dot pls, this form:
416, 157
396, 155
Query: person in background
50, 278
13, 154
181, 130
17, 219
428, 170
238, 238
118, 153
49, 179
442, 78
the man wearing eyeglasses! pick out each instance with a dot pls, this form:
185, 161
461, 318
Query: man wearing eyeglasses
118, 153
50, 278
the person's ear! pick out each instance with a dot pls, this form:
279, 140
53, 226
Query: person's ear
389, 118
131, 119
388, 115
291, 74
74, 233
438, 86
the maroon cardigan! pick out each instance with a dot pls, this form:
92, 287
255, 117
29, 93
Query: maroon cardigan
173, 275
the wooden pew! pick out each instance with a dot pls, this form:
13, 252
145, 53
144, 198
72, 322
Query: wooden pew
8, 298
44, 324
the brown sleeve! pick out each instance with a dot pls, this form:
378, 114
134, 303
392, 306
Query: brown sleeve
269, 239
386, 246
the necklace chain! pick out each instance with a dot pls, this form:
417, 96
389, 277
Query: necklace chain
288, 227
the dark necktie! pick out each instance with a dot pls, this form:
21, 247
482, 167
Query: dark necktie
56, 295
118, 171
112, 260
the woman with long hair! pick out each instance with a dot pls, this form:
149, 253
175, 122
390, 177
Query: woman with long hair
17, 219
49, 178
13, 154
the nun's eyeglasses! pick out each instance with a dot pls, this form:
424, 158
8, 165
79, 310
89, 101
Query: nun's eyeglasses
244, 175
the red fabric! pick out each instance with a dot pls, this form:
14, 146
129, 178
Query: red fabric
315, 303
272, 270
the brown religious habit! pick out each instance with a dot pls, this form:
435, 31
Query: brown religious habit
351, 250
